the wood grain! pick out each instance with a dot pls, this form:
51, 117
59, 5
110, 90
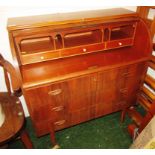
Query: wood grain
79, 66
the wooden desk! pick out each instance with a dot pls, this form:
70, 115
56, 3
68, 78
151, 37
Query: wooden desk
79, 66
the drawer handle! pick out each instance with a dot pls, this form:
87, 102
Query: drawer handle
120, 44
55, 92
124, 91
128, 74
84, 49
60, 122
59, 108
24, 52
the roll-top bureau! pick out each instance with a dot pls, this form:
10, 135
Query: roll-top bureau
78, 66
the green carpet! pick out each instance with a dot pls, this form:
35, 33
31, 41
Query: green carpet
103, 133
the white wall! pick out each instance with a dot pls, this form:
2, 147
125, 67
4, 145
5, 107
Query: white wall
14, 11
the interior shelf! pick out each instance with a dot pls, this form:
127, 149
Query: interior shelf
122, 32
82, 38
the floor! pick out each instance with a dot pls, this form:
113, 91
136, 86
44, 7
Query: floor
103, 133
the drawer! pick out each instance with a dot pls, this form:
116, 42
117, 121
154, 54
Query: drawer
61, 124
119, 43
82, 49
58, 113
39, 57
119, 105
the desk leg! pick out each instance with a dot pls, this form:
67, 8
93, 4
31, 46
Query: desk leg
52, 137
123, 113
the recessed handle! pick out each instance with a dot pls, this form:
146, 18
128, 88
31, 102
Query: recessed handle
128, 74
55, 92
59, 108
123, 91
60, 122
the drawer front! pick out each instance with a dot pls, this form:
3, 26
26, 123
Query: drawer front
119, 43
47, 102
133, 81
82, 49
39, 57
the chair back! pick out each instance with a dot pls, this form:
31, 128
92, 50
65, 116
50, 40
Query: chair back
13, 83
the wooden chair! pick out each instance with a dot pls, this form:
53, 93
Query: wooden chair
14, 124
146, 98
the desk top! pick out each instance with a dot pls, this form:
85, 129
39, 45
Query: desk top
68, 18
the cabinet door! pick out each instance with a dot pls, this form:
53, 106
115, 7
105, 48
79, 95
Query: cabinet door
80, 95
111, 91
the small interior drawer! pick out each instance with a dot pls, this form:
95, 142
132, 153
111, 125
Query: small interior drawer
82, 49
39, 57
119, 43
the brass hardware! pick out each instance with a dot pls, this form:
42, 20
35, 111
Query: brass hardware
17, 102
20, 113
59, 108
124, 90
84, 49
23, 52
55, 92
128, 74
120, 44
60, 122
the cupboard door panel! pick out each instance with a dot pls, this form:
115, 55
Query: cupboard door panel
111, 91
80, 92
81, 115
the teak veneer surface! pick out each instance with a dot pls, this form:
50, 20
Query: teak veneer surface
79, 66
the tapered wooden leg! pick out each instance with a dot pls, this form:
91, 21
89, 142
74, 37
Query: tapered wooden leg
123, 115
52, 137
26, 140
